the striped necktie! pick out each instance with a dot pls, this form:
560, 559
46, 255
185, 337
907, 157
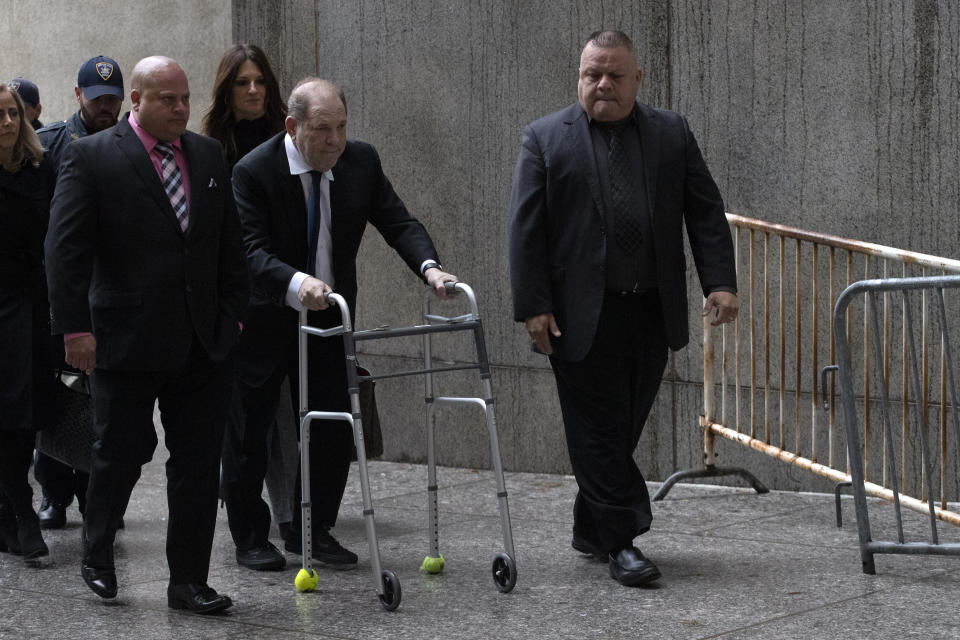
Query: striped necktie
173, 183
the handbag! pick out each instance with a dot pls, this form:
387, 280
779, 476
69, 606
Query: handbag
70, 438
372, 435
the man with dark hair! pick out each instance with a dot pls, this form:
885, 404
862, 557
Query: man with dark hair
30, 95
601, 193
99, 92
305, 197
148, 284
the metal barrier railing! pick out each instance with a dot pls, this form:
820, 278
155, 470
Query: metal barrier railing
942, 324
762, 389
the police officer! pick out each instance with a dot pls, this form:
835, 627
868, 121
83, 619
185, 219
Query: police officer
99, 93
30, 95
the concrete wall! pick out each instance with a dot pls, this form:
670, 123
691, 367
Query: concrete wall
47, 41
836, 117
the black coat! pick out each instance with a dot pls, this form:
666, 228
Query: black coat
119, 266
557, 237
274, 216
26, 375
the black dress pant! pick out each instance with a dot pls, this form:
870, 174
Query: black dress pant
605, 399
193, 404
60, 482
253, 415
16, 452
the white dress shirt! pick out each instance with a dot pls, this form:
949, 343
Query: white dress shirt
324, 264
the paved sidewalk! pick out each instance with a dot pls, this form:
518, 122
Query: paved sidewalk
735, 565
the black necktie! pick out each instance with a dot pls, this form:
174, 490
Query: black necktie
313, 221
625, 215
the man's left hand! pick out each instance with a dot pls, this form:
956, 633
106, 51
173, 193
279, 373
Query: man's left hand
726, 304
436, 279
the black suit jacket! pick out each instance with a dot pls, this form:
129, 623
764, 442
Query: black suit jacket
557, 235
119, 266
274, 218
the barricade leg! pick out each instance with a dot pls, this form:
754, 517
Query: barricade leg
709, 470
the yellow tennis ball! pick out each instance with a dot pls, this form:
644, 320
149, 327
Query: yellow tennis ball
306, 580
432, 565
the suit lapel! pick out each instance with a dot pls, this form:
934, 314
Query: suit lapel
192, 153
136, 154
576, 119
650, 148
294, 203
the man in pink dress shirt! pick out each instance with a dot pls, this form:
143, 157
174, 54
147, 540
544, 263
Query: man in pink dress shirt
148, 283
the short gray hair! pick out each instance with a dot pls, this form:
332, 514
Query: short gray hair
298, 104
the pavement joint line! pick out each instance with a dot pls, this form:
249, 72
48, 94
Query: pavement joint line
852, 548
792, 614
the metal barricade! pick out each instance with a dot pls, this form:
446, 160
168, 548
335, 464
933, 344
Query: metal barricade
944, 322
761, 373
386, 582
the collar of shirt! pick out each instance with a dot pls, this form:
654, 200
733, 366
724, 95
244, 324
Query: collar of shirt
632, 118
298, 165
149, 142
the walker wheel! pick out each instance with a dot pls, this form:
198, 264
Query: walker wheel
504, 573
390, 599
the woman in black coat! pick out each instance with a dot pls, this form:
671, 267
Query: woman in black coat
245, 111
26, 377
246, 108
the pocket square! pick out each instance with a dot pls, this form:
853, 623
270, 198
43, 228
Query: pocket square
213, 184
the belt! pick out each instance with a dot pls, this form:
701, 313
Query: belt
634, 293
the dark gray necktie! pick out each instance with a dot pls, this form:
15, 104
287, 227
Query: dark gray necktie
626, 220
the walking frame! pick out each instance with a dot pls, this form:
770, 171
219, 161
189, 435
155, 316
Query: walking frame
386, 582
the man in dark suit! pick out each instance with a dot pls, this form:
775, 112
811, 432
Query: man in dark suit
305, 197
99, 93
148, 284
601, 192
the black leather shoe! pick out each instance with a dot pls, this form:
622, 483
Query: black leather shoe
52, 515
198, 598
631, 569
581, 544
327, 549
102, 582
263, 558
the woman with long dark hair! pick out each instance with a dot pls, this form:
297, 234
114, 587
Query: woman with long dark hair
246, 107
26, 377
246, 110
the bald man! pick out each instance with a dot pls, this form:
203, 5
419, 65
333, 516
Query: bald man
148, 282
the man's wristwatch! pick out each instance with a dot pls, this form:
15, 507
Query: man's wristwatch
430, 264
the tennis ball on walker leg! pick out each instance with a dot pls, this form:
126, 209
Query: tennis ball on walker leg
432, 565
306, 580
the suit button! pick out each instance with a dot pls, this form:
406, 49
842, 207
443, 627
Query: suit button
189, 288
